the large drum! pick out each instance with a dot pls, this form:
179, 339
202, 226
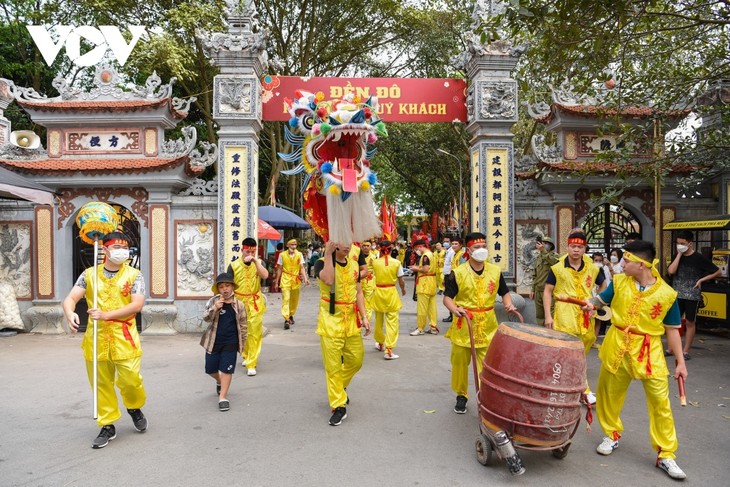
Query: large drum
531, 383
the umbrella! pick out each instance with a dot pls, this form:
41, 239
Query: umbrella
281, 218
16, 187
266, 231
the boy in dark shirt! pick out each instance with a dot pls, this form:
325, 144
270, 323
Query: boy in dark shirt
225, 336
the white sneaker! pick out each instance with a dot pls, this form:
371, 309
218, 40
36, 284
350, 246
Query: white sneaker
416, 332
251, 372
378, 347
591, 398
671, 467
243, 362
390, 356
607, 446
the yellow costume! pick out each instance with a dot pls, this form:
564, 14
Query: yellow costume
456, 259
477, 294
368, 285
402, 255
631, 350
119, 350
248, 290
439, 257
568, 317
426, 291
386, 301
340, 339
291, 281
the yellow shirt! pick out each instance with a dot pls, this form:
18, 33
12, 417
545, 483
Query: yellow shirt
344, 322
386, 298
477, 293
291, 276
248, 287
575, 284
456, 258
426, 281
119, 339
637, 327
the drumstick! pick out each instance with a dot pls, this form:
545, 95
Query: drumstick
567, 299
680, 384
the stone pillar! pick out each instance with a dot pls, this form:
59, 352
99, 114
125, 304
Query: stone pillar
241, 56
6, 98
492, 110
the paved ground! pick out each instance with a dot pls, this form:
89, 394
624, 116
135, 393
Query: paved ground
400, 429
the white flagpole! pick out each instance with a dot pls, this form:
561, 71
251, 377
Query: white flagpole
95, 386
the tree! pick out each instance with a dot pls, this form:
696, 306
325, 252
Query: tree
665, 54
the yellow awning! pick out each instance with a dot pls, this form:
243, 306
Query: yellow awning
719, 222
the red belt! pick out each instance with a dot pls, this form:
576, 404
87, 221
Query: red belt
125, 330
469, 312
385, 285
255, 297
422, 275
345, 303
297, 277
645, 346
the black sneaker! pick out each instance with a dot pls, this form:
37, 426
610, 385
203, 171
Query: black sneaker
291, 320
448, 319
338, 415
107, 433
460, 407
140, 422
286, 324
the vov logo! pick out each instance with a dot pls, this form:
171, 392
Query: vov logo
104, 38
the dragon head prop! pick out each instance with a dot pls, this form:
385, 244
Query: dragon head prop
331, 141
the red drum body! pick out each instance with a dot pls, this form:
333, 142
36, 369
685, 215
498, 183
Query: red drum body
531, 383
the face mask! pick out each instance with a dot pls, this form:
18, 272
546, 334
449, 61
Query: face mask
119, 256
419, 251
614, 259
446, 245
682, 248
480, 255
599, 264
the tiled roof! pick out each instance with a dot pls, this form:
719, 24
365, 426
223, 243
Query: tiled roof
593, 111
98, 166
102, 106
608, 167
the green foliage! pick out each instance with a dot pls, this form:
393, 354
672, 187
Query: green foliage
663, 54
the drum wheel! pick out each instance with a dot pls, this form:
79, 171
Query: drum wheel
561, 453
484, 450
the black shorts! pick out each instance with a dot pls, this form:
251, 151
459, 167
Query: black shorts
688, 308
222, 359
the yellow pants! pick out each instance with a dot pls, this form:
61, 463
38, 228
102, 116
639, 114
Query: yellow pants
128, 380
426, 311
388, 334
460, 360
289, 302
252, 347
369, 297
342, 358
611, 394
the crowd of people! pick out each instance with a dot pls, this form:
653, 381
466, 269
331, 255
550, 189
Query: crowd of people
357, 282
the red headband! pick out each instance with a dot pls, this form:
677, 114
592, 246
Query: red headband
577, 241
475, 241
248, 247
116, 241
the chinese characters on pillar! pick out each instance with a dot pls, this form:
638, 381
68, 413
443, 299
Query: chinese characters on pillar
235, 200
497, 206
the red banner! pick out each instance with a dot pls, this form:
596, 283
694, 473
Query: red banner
401, 99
